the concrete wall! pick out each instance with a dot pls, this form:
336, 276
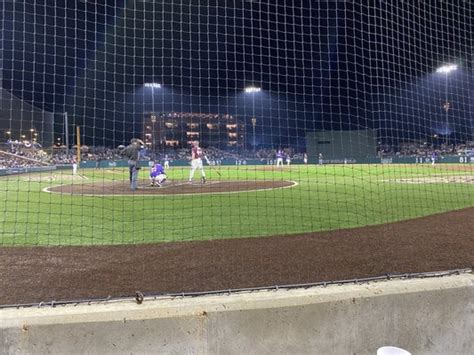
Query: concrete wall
423, 316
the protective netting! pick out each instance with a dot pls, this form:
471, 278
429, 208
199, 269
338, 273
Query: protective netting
132, 122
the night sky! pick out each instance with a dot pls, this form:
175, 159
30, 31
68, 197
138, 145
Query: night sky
320, 64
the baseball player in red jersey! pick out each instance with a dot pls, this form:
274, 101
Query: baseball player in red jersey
196, 162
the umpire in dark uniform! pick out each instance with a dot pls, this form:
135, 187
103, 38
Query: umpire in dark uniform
132, 153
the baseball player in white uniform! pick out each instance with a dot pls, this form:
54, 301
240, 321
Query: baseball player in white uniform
279, 157
196, 162
74, 167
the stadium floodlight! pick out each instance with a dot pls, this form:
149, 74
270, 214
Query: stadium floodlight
252, 89
446, 69
153, 116
153, 85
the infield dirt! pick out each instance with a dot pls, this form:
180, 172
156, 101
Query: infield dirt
177, 187
434, 243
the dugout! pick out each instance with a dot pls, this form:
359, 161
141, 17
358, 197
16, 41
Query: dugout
335, 145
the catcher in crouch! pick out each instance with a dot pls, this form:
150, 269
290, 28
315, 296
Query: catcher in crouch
157, 175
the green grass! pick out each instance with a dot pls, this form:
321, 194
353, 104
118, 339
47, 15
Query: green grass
327, 197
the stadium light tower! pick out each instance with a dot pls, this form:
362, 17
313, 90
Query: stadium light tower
253, 90
153, 139
153, 86
446, 69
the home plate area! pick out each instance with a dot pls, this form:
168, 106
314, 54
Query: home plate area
170, 187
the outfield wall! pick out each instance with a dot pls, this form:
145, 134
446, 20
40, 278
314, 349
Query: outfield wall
37, 169
342, 143
103, 164
423, 316
451, 159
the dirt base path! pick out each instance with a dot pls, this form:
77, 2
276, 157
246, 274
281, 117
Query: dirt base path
435, 243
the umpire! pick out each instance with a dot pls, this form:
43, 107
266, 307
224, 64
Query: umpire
132, 153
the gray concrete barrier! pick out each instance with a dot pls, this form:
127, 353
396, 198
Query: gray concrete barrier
422, 316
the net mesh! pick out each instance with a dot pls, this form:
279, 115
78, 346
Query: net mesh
131, 122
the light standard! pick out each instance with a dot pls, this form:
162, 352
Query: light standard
254, 123
153, 121
252, 90
153, 86
446, 69
32, 130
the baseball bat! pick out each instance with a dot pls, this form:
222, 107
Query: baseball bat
216, 171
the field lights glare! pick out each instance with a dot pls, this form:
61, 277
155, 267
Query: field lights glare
252, 89
447, 68
153, 85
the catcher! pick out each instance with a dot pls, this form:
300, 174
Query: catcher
157, 175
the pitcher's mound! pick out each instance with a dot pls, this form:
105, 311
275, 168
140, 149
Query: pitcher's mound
177, 187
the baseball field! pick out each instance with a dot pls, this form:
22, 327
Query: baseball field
96, 207
89, 236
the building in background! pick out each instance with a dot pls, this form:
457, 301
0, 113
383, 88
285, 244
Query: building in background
179, 129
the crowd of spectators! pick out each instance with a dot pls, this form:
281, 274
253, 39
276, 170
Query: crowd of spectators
19, 155
216, 154
28, 156
7, 162
423, 149
16, 155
